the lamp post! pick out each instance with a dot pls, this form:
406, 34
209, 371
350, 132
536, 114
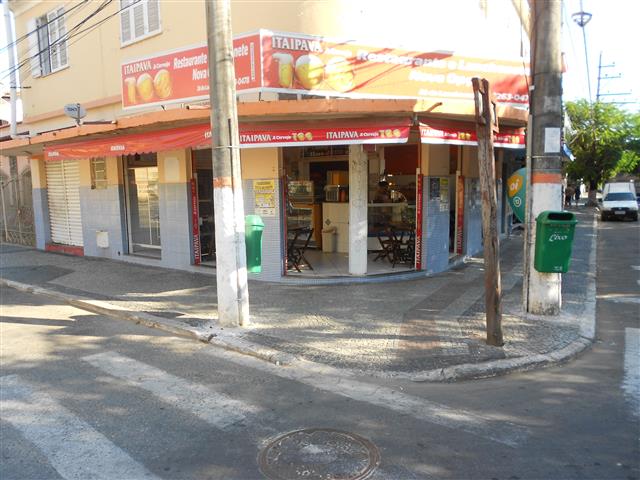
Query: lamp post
582, 18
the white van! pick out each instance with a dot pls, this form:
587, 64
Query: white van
619, 187
619, 201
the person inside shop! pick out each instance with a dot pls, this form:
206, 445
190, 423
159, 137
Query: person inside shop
383, 194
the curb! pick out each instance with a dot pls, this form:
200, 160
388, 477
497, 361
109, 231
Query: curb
216, 336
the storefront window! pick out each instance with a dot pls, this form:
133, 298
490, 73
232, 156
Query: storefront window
143, 204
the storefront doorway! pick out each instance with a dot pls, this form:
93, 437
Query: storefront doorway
143, 210
202, 190
317, 209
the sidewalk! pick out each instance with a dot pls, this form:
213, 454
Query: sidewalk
422, 329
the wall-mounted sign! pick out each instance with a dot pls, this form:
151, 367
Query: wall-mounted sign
265, 197
315, 65
444, 194
516, 192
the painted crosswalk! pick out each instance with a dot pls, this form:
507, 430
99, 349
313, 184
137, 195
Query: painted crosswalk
75, 449
631, 383
215, 408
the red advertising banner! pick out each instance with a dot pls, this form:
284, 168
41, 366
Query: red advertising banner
183, 75
418, 247
251, 136
195, 229
298, 63
465, 134
459, 214
315, 65
343, 133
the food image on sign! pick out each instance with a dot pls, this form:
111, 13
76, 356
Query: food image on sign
285, 69
144, 86
309, 71
162, 83
339, 74
130, 83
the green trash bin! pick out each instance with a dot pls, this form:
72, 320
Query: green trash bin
253, 227
554, 239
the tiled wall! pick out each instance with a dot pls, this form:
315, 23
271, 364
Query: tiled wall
472, 217
271, 236
41, 217
435, 231
103, 210
175, 224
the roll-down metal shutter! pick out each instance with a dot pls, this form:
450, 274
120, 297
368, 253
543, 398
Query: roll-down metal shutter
63, 192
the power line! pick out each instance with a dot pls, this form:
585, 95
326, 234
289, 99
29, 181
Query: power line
71, 33
26, 35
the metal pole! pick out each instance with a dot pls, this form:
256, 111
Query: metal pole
13, 128
231, 261
544, 289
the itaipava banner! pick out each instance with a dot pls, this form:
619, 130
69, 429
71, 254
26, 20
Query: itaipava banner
314, 65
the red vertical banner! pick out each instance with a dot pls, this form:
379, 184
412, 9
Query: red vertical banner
418, 247
459, 214
195, 229
285, 206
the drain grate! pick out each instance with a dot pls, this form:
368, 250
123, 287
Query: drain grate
319, 454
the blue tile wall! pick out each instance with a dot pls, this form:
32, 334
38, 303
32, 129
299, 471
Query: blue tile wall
41, 217
103, 210
435, 231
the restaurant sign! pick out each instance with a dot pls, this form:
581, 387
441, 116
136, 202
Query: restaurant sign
315, 65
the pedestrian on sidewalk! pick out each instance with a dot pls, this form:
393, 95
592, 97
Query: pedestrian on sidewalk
577, 194
568, 195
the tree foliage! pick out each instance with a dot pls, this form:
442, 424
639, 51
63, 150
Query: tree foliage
604, 139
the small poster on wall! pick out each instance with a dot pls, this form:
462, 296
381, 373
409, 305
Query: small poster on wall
444, 194
265, 197
434, 188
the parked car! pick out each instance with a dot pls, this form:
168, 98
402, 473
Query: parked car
619, 205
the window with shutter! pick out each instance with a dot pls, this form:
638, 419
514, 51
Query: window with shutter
48, 43
139, 19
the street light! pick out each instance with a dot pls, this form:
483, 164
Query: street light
582, 18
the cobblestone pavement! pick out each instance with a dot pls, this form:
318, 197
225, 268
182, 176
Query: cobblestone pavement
396, 326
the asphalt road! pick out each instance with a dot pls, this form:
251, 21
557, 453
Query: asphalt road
84, 396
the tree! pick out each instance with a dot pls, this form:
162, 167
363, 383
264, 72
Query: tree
604, 139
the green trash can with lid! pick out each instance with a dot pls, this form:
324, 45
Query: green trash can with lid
554, 240
253, 228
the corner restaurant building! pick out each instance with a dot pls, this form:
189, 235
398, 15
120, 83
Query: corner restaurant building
140, 189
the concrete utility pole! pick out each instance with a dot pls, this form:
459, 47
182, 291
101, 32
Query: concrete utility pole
486, 124
543, 291
231, 260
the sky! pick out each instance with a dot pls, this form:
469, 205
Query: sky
613, 30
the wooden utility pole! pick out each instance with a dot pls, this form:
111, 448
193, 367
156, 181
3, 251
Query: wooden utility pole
231, 260
543, 291
486, 125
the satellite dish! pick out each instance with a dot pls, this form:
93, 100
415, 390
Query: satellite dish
75, 111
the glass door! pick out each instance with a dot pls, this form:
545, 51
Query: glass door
143, 209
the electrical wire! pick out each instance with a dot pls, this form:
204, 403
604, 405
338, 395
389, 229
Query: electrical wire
71, 33
69, 13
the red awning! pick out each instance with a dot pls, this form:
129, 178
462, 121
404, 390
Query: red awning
336, 132
457, 133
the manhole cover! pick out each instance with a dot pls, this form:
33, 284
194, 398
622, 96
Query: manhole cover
319, 453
